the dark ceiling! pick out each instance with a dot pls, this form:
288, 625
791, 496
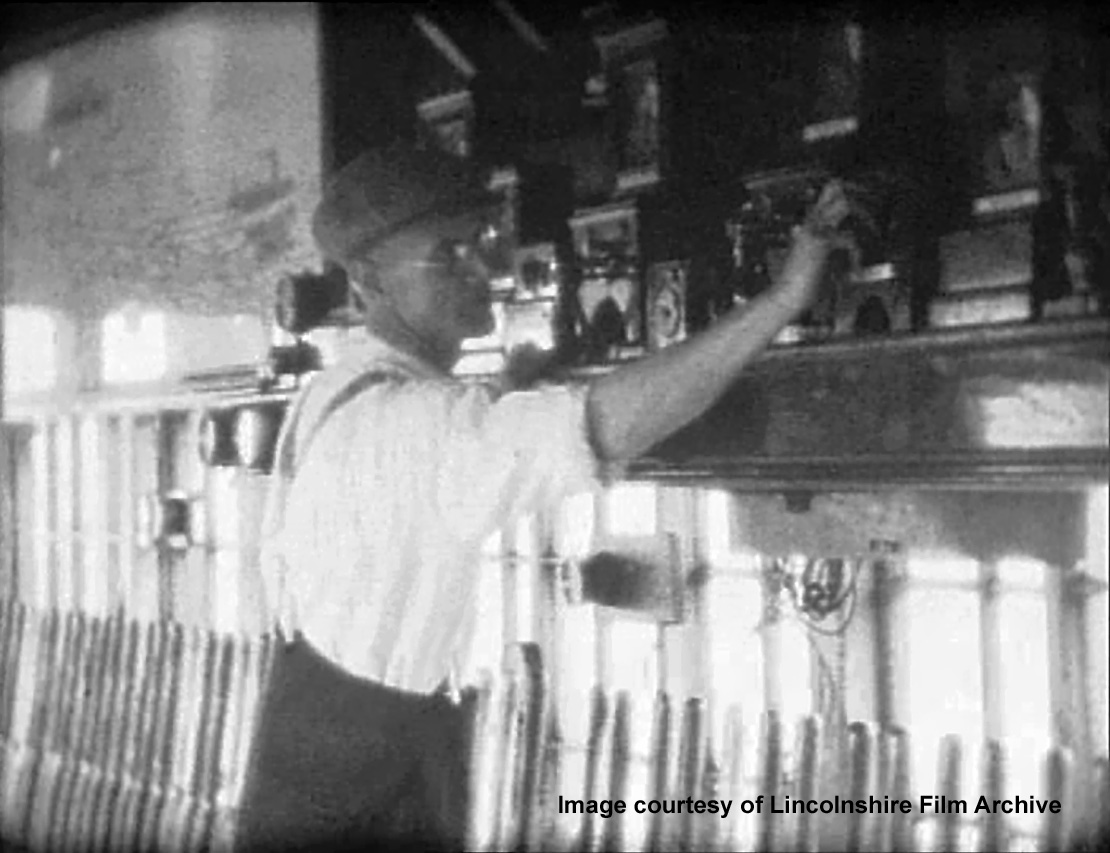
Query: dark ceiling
407, 51
382, 59
483, 28
34, 28
31, 28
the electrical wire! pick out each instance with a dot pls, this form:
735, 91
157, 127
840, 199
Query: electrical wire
849, 596
834, 710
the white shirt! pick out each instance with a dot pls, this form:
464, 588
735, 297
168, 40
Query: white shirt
372, 540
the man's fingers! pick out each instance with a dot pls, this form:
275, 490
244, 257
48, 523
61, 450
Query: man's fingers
832, 207
835, 204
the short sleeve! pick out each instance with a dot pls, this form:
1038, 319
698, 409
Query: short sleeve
484, 459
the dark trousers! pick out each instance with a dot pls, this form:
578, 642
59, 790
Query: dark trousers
339, 762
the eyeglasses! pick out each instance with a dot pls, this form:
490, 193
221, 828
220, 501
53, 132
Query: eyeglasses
485, 254
477, 257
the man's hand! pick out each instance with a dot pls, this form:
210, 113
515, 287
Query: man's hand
802, 274
829, 211
632, 408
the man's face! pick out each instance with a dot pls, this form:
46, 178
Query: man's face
437, 282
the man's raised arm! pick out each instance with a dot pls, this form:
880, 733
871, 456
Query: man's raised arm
636, 406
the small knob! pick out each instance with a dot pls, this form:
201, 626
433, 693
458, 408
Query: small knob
303, 301
217, 439
256, 433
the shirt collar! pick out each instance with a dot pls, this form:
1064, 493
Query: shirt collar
371, 352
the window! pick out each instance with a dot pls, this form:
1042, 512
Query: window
738, 653
716, 524
601, 646
978, 666
1023, 634
574, 526
634, 661
133, 346
738, 664
736, 650
630, 510
757, 663
30, 350
944, 673
1023, 700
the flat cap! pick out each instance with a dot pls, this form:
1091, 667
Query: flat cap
386, 190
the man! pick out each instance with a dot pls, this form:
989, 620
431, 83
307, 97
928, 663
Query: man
389, 477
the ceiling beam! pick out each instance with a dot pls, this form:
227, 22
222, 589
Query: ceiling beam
523, 29
445, 45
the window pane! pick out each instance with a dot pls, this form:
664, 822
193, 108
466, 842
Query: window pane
631, 510
635, 668
480, 364
30, 350
1024, 700
634, 657
944, 678
134, 346
639, 770
574, 526
943, 568
717, 523
1023, 620
736, 648
795, 670
797, 696
578, 672
1021, 573
735, 610
196, 344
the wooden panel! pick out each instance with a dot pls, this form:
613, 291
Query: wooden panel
976, 407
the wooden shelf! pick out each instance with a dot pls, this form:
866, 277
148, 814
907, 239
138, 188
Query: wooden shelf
1003, 470
1008, 406
1020, 406
1009, 336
